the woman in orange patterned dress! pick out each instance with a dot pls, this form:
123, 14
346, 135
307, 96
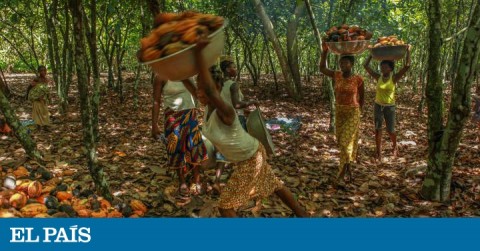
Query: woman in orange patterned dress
349, 100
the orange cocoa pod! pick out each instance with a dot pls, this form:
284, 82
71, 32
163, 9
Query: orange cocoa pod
34, 189
23, 187
84, 213
139, 213
165, 28
33, 209
79, 207
361, 38
18, 200
165, 17
41, 199
137, 205
105, 204
185, 25
62, 196
100, 214
115, 214
150, 54
149, 41
192, 35
21, 172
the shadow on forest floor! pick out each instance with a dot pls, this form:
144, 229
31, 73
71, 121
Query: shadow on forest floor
307, 162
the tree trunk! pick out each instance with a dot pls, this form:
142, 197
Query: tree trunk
21, 132
92, 45
66, 68
270, 62
327, 82
434, 87
4, 86
268, 26
96, 171
292, 44
49, 26
443, 146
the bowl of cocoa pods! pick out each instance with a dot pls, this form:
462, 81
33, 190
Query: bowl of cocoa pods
389, 48
347, 40
168, 49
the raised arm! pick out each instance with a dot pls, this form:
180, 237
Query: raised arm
237, 104
225, 112
157, 98
323, 62
405, 68
188, 83
370, 71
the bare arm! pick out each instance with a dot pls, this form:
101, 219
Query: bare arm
405, 68
188, 83
370, 71
224, 111
323, 62
157, 98
237, 104
361, 94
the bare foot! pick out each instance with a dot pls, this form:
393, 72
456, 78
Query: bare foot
378, 157
395, 152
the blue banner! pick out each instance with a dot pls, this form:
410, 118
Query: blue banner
239, 234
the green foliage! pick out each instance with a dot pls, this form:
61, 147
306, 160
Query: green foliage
120, 24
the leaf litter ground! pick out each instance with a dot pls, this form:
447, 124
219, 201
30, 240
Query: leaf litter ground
307, 161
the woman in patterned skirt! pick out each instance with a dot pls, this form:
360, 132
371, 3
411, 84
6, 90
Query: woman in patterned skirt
185, 147
349, 98
252, 176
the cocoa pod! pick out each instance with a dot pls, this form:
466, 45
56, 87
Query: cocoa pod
18, 200
137, 205
34, 189
62, 196
33, 209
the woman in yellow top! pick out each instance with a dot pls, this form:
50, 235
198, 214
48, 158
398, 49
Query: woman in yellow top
38, 94
385, 100
349, 100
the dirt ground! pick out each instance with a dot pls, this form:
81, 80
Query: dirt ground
307, 162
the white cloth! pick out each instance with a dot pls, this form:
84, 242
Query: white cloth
176, 96
232, 141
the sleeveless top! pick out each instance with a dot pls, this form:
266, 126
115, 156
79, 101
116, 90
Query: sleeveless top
385, 91
232, 141
226, 94
176, 96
